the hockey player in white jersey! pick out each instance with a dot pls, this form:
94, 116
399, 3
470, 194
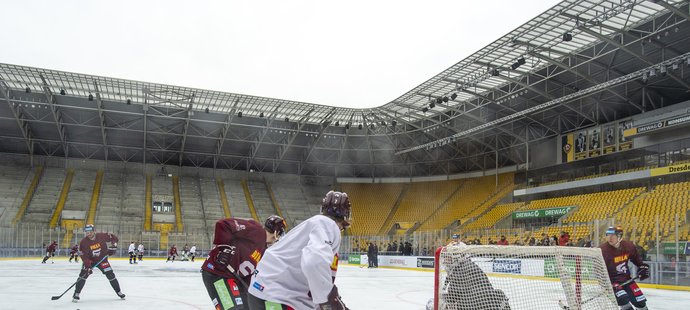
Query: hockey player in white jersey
132, 254
140, 251
298, 271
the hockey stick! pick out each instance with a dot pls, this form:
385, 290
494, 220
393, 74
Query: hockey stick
75, 282
563, 306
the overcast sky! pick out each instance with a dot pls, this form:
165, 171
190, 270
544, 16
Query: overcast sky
344, 53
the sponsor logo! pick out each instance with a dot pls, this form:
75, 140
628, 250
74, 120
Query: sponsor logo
507, 266
685, 167
425, 262
329, 242
258, 286
398, 261
679, 120
210, 266
334, 263
650, 127
567, 147
620, 258
239, 226
238, 301
233, 287
95, 246
256, 256
621, 293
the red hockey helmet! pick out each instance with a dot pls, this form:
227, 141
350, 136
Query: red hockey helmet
276, 225
337, 205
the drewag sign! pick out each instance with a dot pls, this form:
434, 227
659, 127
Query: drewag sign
552, 212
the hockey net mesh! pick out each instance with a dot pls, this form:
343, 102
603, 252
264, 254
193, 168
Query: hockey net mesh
520, 277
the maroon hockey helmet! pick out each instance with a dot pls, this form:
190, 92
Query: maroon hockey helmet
337, 205
275, 224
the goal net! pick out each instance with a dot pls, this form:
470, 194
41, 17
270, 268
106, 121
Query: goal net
521, 277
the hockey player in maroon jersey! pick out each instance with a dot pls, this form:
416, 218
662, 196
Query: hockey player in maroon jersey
74, 253
172, 253
238, 247
617, 252
94, 254
50, 251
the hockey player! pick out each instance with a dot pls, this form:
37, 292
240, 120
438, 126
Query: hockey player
238, 247
94, 254
132, 254
298, 272
192, 252
617, 252
172, 253
50, 251
74, 253
140, 251
185, 251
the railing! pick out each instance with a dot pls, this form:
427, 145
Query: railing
30, 240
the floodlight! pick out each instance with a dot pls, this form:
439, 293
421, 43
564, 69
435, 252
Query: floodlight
567, 37
445, 99
62, 92
521, 61
393, 123
261, 114
206, 110
432, 105
337, 123
360, 126
347, 126
129, 101
287, 119
495, 72
239, 114
27, 90
90, 97
425, 109
453, 96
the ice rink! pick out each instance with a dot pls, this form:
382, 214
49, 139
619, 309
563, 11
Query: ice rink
154, 284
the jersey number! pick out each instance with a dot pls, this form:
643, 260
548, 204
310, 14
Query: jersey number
622, 268
246, 268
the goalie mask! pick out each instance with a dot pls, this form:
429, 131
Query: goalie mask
276, 225
337, 205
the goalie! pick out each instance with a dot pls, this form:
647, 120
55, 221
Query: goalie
467, 287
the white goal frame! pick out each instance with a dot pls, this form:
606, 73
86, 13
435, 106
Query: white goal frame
582, 273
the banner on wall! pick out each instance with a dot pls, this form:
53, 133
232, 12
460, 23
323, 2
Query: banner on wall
594, 142
541, 213
657, 125
581, 145
567, 151
609, 133
670, 170
624, 143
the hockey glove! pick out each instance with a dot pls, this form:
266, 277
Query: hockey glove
86, 271
643, 272
112, 249
334, 301
225, 253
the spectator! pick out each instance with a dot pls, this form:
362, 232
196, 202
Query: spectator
563, 239
503, 241
532, 241
545, 240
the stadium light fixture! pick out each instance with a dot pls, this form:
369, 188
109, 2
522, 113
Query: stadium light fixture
90, 97
567, 37
261, 114
371, 126
453, 96
129, 101
287, 120
337, 123
393, 123
27, 90
652, 72
521, 61
62, 92
383, 123
347, 126
425, 109
239, 114
495, 72
445, 99
644, 77
432, 105
206, 110
360, 126
662, 70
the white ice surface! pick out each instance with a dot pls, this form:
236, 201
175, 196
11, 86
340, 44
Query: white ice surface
154, 284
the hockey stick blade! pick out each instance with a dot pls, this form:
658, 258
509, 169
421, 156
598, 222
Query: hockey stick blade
63, 293
601, 294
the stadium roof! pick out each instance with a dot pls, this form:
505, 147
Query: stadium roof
578, 64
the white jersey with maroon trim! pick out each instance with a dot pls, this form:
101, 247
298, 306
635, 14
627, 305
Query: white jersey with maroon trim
299, 270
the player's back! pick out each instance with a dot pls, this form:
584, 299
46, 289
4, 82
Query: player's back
280, 277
